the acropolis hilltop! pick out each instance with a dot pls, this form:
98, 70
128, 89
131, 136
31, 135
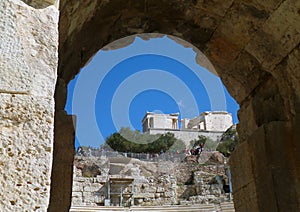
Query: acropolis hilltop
211, 124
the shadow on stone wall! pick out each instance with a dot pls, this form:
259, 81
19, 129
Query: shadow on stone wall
38, 4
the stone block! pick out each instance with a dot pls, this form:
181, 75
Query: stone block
278, 141
79, 179
242, 83
280, 34
246, 201
144, 195
267, 5
283, 161
247, 124
169, 194
99, 199
76, 188
221, 50
28, 59
241, 21
265, 191
76, 194
150, 189
26, 131
140, 180
87, 196
268, 172
77, 201
101, 179
160, 189
258, 153
241, 174
217, 6
87, 188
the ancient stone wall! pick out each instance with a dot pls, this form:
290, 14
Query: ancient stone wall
28, 70
252, 44
155, 183
187, 135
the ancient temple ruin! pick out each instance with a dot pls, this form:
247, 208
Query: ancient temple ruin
153, 120
209, 124
217, 121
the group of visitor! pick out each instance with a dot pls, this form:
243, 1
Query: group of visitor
82, 152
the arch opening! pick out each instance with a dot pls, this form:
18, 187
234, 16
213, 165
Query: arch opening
158, 63
253, 75
187, 63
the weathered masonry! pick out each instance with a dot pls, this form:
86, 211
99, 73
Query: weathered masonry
254, 46
209, 124
160, 121
209, 121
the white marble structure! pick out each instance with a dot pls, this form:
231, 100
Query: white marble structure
160, 121
209, 124
209, 121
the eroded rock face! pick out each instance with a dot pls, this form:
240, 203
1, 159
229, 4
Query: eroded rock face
28, 62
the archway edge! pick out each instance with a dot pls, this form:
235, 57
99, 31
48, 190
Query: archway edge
252, 46
102, 23
230, 33
200, 58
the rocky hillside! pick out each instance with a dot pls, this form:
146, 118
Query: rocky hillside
195, 180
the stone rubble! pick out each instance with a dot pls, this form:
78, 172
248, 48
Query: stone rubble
168, 184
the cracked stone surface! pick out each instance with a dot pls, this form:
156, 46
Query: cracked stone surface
28, 64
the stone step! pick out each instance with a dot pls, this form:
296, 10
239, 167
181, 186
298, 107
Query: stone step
204, 206
96, 208
119, 160
174, 209
227, 204
232, 206
182, 208
227, 207
223, 207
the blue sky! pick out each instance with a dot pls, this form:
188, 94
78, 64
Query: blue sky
118, 86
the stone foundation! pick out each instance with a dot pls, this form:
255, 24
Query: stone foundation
154, 185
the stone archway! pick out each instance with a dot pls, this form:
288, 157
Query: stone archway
252, 53
253, 45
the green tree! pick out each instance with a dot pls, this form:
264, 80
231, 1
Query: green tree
133, 141
229, 142
210, 144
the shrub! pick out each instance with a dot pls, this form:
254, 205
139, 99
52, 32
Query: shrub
139, 143
228, 142
210, 145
